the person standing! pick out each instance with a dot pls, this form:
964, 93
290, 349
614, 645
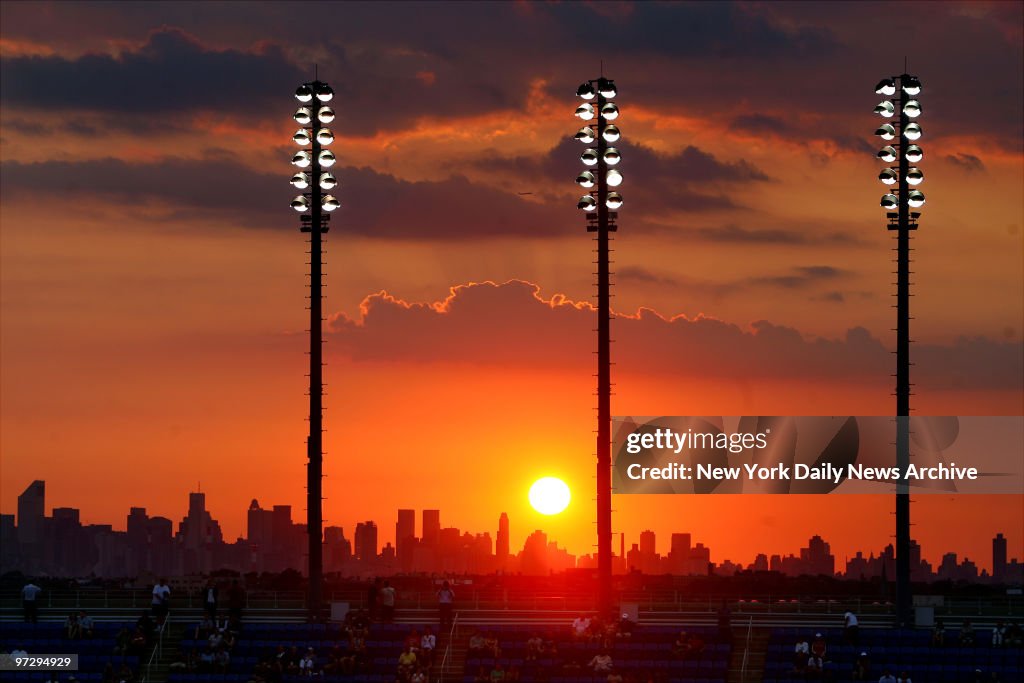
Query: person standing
445, 603
210, 599
850, 628
387, 601
29, 602
161, 600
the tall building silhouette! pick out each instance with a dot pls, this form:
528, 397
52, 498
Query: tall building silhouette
405, 538
32, 513
431, 526
366, 541
999, 558
502, 542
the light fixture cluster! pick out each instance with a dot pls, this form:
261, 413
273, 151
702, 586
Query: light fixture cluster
597, 112
313, 115
902, 134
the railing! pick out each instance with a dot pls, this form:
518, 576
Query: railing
447, 659
746, 650
158, 651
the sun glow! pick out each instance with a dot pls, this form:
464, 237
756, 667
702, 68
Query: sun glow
549, 495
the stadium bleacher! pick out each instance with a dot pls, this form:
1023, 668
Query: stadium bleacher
94, 654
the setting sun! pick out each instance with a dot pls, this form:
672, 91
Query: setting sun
549, 495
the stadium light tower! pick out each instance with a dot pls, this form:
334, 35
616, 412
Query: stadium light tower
903, 177
600, 205
313, 205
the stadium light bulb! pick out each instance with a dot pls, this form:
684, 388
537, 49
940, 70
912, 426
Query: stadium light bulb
300, 180
327, 158
610, 111
300, 203
587, 203
890, 202
611, 156
915, 198
324, 136
611, 133
912, 109
325, 114
885, 109
301, 137
589, 157
302, 159
607, 88
886, 87
912, 85
614, 200
886, 131
585, 111
329, 202
912, 131
888, 176
914, 154
303, 115
586, 180
915, 176
327, 181
614, 178
304, 93
324, 93
887, 154
586, 91
585, 135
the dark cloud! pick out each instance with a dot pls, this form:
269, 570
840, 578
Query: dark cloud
512, 325
733, 234
375, 204
761, 124
966, 162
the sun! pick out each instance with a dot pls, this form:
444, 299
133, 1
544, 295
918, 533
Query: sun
549, 495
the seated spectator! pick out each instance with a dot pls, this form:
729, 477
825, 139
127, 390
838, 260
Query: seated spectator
138, 642
71, 628
307, 665
904, 677
999, 634
681, 647
601, 663
491, 645
418, 676
887, 677
512, 674
125, 675
580, 626
481, 676
121, 641
534, 647
818, 646
86, 626
626, 627
550, 648
861, 668
222, 659
207, 658
966, 634
939, 634
497, 673
614, 677
412, 641
406, 664
204, 628
696, 645
801, 651
476, 644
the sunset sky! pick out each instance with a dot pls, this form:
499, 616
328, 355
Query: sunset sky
152, 274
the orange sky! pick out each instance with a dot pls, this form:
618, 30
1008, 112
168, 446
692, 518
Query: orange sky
151, 281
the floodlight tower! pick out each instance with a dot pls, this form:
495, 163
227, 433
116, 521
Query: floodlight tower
898, 202
314, 205
600, 205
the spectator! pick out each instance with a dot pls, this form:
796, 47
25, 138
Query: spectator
818, 646
481, 676
966, 634
445, 604
476, 644
387, 602
204, 628
1014, 635
121, 641
850, 628
999, 634
681, 648
904, 677
71, 629
161, 600
412, 641
29, 602
580, 626
939, 634
236, 602
210, 599
406, 662
512, 674
801, 651
419, 676
19, 651
427, 644
491, 645
534, 647
601, 663
862, 668
307, 665
614, 677
626, 627
86, 626
497, 673
815, 667
887, 677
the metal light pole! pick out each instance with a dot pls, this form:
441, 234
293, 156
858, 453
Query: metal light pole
313, 207
600, 204
902, 178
